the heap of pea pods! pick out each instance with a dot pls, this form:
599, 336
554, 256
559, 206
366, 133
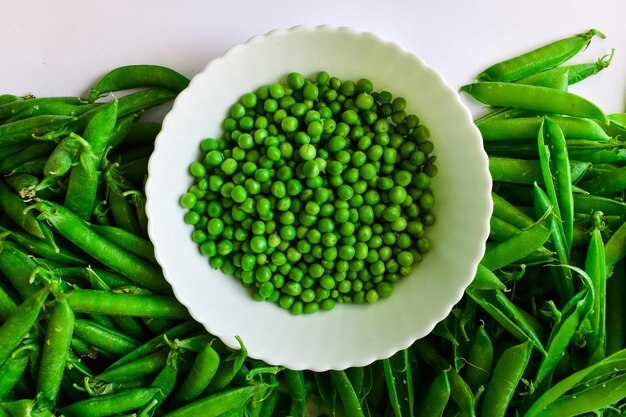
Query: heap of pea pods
318, 192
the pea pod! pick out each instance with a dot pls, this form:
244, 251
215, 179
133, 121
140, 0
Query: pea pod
123, 214
527, 127
62, 158
7, 305
14, 107
595, 266
142, 367
18, 269
519, 246
20, 322
480, 360
437, 396
104, 337
30, 152
221, 402
13, 369
14, 207
110, 404
575, 73
534, 98
73, 228
127, 240
460, 392
83, 184
42, 248
199, 377
506, 375
536, 60
346, 392
525, 171
136, 305
55, 352
135, 76
297, 390
227, 369
23, 130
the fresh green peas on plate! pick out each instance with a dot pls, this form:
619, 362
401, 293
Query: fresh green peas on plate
319, 192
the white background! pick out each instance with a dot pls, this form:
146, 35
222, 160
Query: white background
63, 47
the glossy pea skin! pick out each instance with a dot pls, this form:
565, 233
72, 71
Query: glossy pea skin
305, 187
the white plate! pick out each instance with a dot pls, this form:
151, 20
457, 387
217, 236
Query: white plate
349, 335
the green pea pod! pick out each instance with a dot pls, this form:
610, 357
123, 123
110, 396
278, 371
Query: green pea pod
143, 100
534, 98
536, 60
62, 158
13, 206
23, 130
110, 404
506, 375
517, 247
555, 139
437, 396
346, 392
134, 305
227, 369
297, 390
608, 366
597, 397
7, 305
595, 266
574, 73
13, 369
73, 228
55, 352
8, 98
527, 127
526, 171
562, 335
563, 281
480, 360
30, 152
616, 311
135, 76
513, 321
141, 134
510, 213
122, 129
127, 240
460, 392
13, 107
220, 402
123, 214
486, 280
42, 248
200, 374
20, 322
165, 381
105, 338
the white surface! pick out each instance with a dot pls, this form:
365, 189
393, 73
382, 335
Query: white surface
350, 335
54, 48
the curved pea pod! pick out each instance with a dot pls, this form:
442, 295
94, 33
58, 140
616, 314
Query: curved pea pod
574, 73
297, 390
14, 207
55, 351
199, 377
42, 248
486, 280
221, 402
536, 60
346, 392
562, 335
480, 360
143, 100
557, 80
63, 157
73, 228
18, 269
527, 127
526, 171
506, 375
22, 130
8, 98
136, 76
127, 240
110, 404
30, 152
105, 338
437, 397
25, 408
123, 214
460, 392
534, 98
20, 322
517, 247
13, 107
606, 184
227, 369
13, 369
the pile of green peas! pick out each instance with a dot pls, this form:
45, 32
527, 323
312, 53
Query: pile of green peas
318, 193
